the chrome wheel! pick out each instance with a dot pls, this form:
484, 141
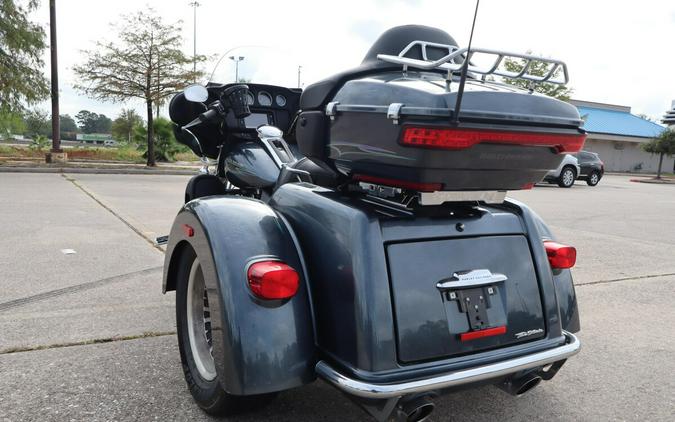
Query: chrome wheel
595, 178
199, 323
568, 177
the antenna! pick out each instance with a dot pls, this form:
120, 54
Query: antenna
465, 67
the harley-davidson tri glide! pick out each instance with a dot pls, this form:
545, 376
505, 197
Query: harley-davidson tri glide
359, 231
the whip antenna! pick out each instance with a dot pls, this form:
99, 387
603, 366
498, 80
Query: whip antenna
465, 68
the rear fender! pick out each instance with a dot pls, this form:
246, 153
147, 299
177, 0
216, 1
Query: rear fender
259, 346
562, 279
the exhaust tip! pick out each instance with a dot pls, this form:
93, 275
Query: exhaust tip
421, 413
417, 409
528, 385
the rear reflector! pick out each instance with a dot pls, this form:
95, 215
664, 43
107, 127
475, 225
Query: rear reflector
272, 280
420, 187
188, 230
456, 139
560, 256
488, 332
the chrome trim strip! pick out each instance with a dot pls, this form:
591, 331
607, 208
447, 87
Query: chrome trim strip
439, 197
452, 379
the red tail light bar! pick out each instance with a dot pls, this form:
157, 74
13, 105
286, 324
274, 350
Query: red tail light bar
488, 332
560, 256
457, 139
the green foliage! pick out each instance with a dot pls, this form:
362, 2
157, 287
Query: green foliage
166, 146
145, 63
93, 122
39, 143
38, 123
664, 144
536, 68
68, 127
11, 123
21, 46
123, 125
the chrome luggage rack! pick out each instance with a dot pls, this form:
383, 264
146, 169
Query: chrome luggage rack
447, 62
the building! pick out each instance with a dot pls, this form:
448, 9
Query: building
616, 135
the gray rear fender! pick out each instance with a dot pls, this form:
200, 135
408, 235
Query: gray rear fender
259, 346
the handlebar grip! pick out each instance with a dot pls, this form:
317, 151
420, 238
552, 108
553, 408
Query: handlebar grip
209, 114
236, 97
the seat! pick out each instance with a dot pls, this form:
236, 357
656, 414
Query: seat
391, 42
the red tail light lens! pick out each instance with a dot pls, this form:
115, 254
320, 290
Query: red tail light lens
560, 256
273, 280
420, 187
456, 139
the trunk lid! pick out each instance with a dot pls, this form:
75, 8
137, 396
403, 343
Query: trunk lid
459, 296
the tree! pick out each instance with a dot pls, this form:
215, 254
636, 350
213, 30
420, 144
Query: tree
123, 125
68, 127
664, 144
146, 63
93, 122
11, 123
166, 146
537, 68
21, 45
38, 123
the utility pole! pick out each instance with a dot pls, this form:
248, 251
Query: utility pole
195, 4
56, 127
299, 67
236, 60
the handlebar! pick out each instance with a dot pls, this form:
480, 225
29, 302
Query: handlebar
233, 98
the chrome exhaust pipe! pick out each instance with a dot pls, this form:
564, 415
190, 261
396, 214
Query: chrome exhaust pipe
519, 385
417, 408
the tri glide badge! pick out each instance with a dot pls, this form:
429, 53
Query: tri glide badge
529, 333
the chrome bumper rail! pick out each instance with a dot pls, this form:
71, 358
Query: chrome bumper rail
453, 379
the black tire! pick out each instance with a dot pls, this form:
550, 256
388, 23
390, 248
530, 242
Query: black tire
594, 178
567, 177
208, 394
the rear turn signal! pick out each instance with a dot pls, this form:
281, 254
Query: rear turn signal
272, 280
456, 139
560, 256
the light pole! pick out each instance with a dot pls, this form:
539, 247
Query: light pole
56, 129
195, 5
299, 67
236, 60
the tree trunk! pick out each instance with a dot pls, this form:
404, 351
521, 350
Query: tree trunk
658, 172
151, 136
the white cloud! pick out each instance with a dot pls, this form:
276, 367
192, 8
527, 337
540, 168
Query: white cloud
617, 52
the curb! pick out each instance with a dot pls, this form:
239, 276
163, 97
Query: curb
83, 170
654, 181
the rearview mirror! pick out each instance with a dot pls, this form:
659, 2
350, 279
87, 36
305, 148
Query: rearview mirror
196, 93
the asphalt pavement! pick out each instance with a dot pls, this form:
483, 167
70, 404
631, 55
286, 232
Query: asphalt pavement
85, 333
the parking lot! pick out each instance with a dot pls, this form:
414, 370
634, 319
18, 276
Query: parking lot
89, 336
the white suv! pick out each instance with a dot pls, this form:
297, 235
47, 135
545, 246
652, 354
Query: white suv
566, 173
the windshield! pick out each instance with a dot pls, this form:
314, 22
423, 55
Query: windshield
255, 64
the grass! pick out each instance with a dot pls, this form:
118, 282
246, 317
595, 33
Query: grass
122, 154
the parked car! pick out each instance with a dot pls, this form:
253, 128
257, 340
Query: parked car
592, 167
566, 173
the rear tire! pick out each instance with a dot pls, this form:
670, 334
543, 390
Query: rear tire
193, 321
567, 177
593, 178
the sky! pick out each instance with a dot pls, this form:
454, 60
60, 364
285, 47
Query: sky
617, 52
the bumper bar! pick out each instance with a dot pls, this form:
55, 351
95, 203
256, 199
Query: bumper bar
452, 379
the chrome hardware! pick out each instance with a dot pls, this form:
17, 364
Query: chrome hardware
496, 370
394, 112
331, 109
447, 62
439, 197
470, 279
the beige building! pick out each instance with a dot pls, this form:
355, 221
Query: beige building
616, 135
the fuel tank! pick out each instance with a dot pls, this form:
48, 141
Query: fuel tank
248, 165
